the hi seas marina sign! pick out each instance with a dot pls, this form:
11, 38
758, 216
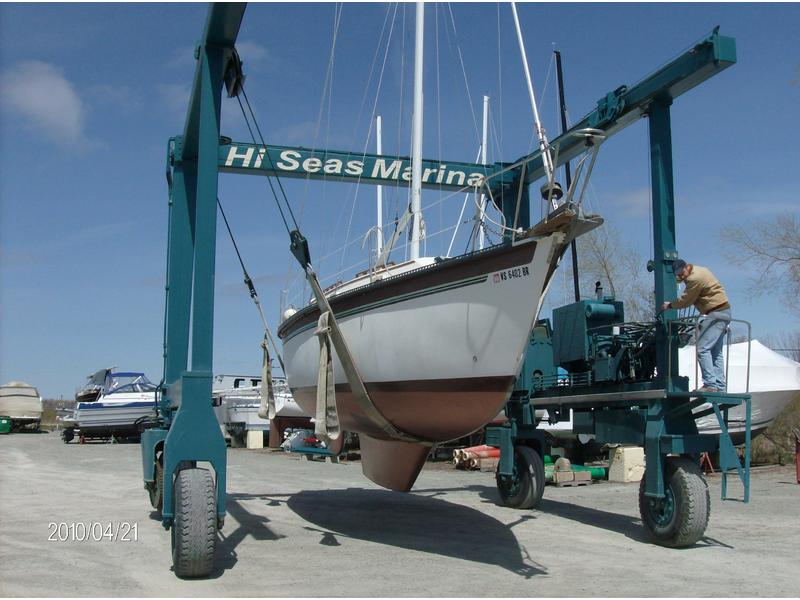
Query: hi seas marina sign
287, 161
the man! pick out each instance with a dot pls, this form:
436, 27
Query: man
706, 293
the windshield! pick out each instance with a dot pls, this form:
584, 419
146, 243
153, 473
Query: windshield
129, 382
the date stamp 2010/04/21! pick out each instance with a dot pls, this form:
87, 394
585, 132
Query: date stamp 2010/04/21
95, 531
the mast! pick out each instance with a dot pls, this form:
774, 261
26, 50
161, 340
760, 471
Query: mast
416, 132
546, 159
379, 198
567, 173
484, 139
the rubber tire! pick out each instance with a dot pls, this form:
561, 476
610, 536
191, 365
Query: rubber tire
530, 470
157, 491
692, 505
67, 435
194, 530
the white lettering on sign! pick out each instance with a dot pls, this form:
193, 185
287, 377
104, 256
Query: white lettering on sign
354, 167
333, 166
290, 156
382, 168
312, 165
233, 155
381, 171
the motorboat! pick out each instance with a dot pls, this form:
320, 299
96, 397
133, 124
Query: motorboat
237, 401
124, 401
22, 403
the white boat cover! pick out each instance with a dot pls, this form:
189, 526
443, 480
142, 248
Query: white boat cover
20, 400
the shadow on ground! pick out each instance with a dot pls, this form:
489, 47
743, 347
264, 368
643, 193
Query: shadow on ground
413, 522
624, 524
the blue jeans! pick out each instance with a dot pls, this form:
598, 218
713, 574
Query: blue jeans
710, 339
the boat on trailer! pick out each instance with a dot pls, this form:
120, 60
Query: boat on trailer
22, 404
123, 402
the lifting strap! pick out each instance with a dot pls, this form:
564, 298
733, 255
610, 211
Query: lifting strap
266, 410
330, 334
326, 422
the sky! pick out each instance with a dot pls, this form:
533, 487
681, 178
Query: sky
91, 93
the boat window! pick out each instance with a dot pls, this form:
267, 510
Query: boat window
131, 382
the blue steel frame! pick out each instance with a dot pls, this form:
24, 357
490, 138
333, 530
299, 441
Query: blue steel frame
660, 426
191, 433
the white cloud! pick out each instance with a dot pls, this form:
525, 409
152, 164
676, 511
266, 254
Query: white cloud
635, 203
175, 96
123, 98
181, 58
46, 100
252, 53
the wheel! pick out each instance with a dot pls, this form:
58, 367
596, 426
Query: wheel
525, 488
157, 490
194, 531
681, 517
67, 435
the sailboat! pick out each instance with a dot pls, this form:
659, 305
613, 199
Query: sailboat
436, 342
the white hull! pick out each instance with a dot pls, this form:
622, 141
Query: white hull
475, 331
116, 411
774, 382
240, 406
20, 402
21, 407
437, 344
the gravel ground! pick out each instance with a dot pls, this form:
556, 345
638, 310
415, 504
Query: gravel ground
299, 528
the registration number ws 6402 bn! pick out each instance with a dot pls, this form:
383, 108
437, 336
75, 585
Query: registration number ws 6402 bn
509, 274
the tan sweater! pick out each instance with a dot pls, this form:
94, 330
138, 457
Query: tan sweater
703, 290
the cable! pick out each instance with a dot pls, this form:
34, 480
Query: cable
251, 288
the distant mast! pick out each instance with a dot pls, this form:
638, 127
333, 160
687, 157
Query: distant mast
379, 198
416, 133
484, 139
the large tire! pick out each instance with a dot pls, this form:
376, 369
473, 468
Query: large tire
194, 531
681, 518
68, 435
525, 488
157, 490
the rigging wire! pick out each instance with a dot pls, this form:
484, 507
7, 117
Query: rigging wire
251, 288
464, 73
366, 141
499, 81
367, 84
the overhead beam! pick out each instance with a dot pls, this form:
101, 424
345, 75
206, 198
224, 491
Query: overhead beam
623, 106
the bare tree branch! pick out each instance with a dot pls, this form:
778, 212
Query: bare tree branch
772, 249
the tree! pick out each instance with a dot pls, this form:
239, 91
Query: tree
604, 256
772, 248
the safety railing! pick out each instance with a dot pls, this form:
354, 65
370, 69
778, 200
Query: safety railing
687, 329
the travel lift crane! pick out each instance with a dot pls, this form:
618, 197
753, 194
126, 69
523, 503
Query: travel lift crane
655, 413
